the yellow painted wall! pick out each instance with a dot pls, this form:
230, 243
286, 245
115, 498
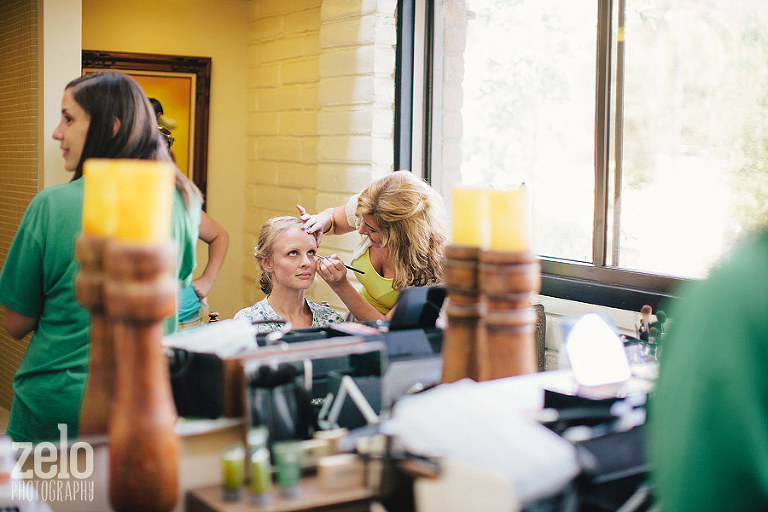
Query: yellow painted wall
60, 64
206, 29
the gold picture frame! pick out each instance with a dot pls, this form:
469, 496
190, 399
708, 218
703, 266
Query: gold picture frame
182, 85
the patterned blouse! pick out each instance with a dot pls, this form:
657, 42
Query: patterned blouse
262, 310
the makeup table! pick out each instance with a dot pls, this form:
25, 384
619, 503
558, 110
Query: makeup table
310, 498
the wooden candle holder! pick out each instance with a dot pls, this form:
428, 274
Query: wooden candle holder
463, 310
140, 291
89, 286
507, 343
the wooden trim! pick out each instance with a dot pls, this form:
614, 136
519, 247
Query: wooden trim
605, 286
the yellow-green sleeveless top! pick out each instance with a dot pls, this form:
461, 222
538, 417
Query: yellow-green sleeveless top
376, 290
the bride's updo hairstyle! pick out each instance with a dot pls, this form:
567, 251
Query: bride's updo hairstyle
270, 233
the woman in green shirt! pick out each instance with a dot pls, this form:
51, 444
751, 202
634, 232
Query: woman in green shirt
400, 218
103, 115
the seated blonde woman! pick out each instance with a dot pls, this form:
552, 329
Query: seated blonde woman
286, 256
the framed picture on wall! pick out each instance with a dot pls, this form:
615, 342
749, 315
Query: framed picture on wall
181, 86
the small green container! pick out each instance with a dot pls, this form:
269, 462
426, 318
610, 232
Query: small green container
233, 465
288, 455
261, 476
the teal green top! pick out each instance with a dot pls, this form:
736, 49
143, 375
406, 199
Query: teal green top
709, 415
37, 280
185, 228
188, 304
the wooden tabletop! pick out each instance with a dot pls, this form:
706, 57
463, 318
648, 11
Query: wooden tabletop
310, 498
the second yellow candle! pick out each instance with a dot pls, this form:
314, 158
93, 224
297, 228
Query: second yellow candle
145, 200
510, 223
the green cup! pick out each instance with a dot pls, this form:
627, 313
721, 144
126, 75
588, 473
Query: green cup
261, 476
288, 455
232, 465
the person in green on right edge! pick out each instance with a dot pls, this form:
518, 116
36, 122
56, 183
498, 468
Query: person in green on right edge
708, 444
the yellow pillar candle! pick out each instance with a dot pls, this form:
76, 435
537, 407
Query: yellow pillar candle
510, 223
99, 198
145, 200
470, 217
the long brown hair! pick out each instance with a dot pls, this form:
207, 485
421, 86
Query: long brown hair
112, 96
411, 216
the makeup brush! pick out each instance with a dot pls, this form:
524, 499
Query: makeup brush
350, 268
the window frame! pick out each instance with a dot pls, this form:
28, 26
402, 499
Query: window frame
404, 97
595, 283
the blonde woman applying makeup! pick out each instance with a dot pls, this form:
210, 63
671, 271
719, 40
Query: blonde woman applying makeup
401, 221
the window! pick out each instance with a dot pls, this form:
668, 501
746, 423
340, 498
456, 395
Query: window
640, 126
691, 177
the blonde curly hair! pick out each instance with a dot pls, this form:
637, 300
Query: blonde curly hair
411, 216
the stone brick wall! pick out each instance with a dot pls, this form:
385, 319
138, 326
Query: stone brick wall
321, 104
282, 117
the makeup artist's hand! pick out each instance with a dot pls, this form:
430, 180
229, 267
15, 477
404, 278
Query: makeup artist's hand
332, 270
315, 224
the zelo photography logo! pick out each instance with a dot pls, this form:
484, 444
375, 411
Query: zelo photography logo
51, 473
